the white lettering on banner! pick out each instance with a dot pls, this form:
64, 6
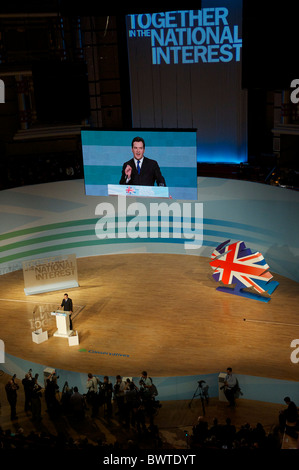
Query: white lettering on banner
51, 268
188, 36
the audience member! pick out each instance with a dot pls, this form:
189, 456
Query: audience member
36, 395
229, 433
119, 395
77, 405
27, 383
51, 390
92, 393
290, 414
11, 392
65, 397
107, 392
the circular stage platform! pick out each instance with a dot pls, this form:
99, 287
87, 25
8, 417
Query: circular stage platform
155, 312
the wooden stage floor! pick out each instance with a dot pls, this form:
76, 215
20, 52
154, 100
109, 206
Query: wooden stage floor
161, 313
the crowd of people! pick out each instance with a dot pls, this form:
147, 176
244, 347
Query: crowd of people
134, 406
38, 169
227, 436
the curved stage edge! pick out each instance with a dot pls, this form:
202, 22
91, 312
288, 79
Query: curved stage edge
55, 218
261, 389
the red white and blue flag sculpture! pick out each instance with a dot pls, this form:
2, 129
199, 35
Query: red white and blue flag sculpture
235, 265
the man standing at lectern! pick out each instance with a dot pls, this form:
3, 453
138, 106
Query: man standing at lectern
140, 170
67, 305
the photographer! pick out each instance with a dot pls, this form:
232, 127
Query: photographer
11, 392
51, 390
145, 383
92, 394
107, 395
65, 397
28, 383
77, 405
118, 392
288, 417
36, 401
132, 402
148, 392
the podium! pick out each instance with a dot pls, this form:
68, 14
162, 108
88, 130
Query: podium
62, 323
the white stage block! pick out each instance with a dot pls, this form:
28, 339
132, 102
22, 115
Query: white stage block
73, 340
39, 336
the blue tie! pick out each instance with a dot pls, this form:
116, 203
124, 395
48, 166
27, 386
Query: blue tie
138, 167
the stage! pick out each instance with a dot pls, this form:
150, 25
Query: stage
155, 312
151, 303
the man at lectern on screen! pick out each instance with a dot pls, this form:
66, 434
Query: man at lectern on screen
67, 305
140, 170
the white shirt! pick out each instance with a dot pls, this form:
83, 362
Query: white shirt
92, 384
230, 380
140, 164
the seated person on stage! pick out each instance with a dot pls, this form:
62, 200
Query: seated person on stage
140, 170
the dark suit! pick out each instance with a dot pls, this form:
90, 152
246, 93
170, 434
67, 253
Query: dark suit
149, 173
67, 305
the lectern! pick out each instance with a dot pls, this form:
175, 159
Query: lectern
62, 323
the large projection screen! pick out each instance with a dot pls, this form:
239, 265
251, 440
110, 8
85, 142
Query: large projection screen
185, 72
105, 151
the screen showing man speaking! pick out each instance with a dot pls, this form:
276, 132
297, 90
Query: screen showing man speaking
130, 160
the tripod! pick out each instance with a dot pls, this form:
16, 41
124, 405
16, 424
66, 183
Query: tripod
201, 392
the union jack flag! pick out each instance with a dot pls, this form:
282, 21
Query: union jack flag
236, 264
130, 190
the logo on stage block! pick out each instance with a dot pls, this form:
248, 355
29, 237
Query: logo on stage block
2, 355
237, 266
